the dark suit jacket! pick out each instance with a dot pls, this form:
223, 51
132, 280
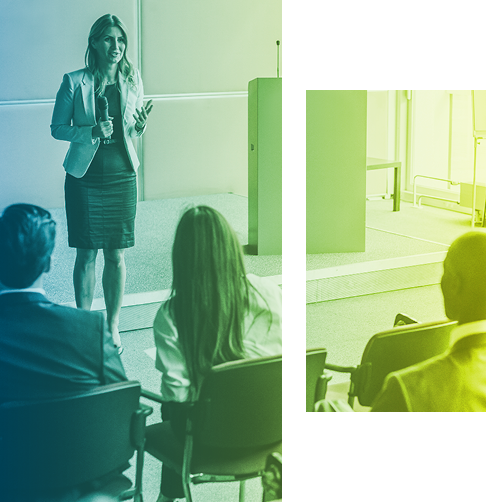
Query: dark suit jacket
48, 350
454, 381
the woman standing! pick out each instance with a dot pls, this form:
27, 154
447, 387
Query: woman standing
216, 313
101, 163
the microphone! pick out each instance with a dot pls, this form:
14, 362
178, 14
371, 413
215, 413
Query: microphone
278, 58
103, 106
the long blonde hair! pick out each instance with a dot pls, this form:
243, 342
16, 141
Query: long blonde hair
125, 66
210, 291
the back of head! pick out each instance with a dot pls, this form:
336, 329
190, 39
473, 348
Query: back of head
27, 235
209, 290
464, 279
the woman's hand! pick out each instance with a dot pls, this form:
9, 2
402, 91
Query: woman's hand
141, 115
103, 129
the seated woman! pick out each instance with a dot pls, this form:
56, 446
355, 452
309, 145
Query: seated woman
216, 313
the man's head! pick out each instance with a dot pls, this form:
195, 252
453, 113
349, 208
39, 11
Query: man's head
27, 235
464, 280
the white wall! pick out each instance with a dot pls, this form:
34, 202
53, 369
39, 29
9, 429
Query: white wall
39, 42
196, 147
380, 139
377, 139
441, 125
203, 52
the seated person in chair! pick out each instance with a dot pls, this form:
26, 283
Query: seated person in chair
216, 313
456, 380
46, 350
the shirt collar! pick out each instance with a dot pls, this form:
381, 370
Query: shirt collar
463, 330
26, 290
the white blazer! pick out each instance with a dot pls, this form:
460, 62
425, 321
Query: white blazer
74, 117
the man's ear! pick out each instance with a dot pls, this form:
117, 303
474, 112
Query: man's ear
48, 265
452, 286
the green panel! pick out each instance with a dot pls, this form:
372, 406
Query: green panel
335, 171
265, 166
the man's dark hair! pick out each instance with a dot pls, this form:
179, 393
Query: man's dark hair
27, 235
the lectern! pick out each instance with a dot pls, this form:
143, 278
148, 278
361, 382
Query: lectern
264, 166
335, 171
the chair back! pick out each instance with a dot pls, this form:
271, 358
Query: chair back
240, 405
395, 349
314, 369
61, 443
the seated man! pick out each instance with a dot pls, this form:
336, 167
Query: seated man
46, 350
456, 380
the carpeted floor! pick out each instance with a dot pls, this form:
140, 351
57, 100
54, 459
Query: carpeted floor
149, 261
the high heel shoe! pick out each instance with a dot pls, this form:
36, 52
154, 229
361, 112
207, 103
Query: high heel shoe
163, 498
116, 339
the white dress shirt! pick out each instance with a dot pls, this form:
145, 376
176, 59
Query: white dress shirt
262, 337
469, 328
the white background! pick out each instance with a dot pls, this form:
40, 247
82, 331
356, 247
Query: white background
369, 45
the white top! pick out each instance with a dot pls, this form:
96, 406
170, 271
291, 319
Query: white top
262, 337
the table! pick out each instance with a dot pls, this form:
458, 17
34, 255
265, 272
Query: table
374, 163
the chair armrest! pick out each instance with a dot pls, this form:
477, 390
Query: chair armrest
321, 386
145, 409
340, 369
137, 429
152, 396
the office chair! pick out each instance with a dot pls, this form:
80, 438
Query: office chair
231, 429
392, 350
78, 443
316, 377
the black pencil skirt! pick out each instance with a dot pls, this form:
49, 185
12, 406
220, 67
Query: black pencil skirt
101, 206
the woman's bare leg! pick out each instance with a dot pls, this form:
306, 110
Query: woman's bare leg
84, 277
114, 275
163, 498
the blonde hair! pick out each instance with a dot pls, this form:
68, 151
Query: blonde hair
125, 66
210, 291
